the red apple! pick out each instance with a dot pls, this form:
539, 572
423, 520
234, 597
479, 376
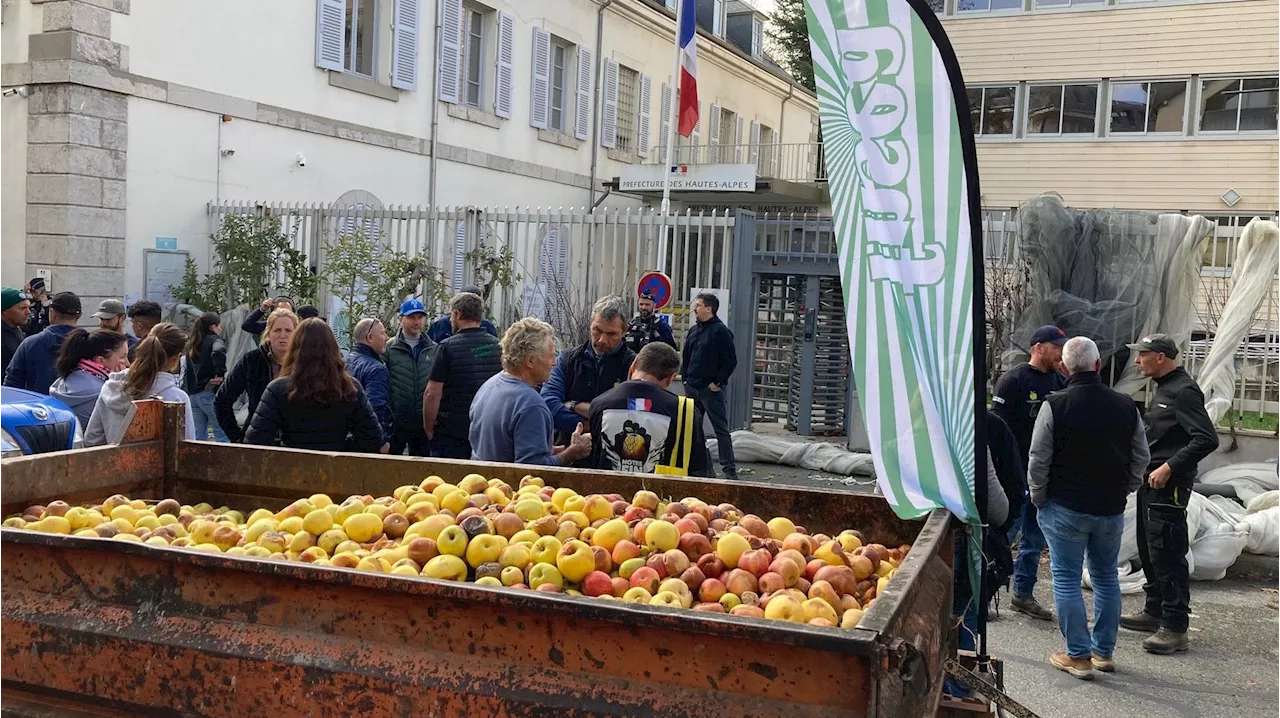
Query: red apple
755, 561
646, 578
811, 569
787, 569
678, 509
745, 610
694, 545
755, 525
620, 586
635, 513
687, 525
638, 530
771, 582
604, 562
548, 588
712, 566
798, 542
710, 607
597, 583
841, 578
711, 589
693, 578
658, 563
738, 581
624, 550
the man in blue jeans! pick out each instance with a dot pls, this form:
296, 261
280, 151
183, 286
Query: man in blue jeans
1017, 399
1088, 453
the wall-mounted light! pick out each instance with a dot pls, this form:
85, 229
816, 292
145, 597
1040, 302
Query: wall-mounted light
1231, 197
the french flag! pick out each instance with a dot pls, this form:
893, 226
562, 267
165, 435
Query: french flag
640, 404
687, 40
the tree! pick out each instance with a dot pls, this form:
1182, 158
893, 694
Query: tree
790, 36
370, 280
252, 259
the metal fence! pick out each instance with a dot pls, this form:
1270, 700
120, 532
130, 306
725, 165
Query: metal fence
563, 258
1258, 358
793, 162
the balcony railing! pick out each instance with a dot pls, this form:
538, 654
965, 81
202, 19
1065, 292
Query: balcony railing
802, 162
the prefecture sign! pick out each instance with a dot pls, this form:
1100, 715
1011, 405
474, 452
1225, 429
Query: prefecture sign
689, 178
657, 285
904, 193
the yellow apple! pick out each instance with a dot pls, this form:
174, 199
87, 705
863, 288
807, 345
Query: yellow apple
452, 541
363, 527
542, 573
545, 550
317, 522
729, 547
610, 533
818, 608
664, 536
518, 555
446, 567
574, 503
575, 560
525, 536
785, 608
781, 527
666, 598
559, 496
637, 594
511, 575
597, 508
484, 549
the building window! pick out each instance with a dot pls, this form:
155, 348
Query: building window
559, 89
987, 5
939, 7
628, 107
992, 109
1239, 104
717, 17
361, 30
1148, 107
1062, 109
1055, 4
473, 46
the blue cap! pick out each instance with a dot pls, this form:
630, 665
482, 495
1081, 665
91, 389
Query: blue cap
1049, 334
412, 306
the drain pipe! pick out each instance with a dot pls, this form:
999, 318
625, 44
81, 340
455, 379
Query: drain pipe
435, 126
782, 118
595, 114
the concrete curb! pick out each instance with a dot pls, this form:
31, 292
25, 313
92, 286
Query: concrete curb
1252, 567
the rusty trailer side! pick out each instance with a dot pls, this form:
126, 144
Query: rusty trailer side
93, 624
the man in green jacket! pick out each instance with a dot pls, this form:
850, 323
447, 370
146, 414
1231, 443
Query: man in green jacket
409, 359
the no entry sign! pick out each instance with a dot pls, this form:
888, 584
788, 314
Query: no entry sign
658, 285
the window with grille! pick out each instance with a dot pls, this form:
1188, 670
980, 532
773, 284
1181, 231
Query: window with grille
559, 85
473, 41
628, 106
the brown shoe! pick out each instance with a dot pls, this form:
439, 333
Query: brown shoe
1106, 665
1080, 668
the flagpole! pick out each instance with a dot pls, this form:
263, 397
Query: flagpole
669, 140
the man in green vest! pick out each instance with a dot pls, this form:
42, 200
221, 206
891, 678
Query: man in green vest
409, 358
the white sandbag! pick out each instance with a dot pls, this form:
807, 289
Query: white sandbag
1215, 551
1263, 501
1263, 528
1248, 478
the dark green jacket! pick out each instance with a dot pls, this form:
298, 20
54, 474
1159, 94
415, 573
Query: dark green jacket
409, 380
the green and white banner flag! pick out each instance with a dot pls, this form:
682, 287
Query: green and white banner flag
904, 192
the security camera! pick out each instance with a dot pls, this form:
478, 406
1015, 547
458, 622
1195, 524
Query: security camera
20, 91
228, 153
302, 160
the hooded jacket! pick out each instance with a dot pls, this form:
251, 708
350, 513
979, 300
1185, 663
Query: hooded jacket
108, 422
79, 391
34, 365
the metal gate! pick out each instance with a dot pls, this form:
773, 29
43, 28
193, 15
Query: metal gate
797, 332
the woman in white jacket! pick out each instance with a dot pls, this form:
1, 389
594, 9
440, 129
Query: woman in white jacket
153, 373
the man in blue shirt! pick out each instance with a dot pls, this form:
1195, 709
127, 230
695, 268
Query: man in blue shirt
509, 421
585, 372
442, 328
365, 364
34, 365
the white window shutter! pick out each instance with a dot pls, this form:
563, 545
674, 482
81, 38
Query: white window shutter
695, 138
331, 18
450, 75
404, 43
642, 119
504, 87
582, 101
753, 152
459, 254
737, 139
664, 125
713, 136
540, 82
776, 156
609, 117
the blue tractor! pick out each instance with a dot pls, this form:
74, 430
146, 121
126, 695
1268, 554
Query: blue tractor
33, 423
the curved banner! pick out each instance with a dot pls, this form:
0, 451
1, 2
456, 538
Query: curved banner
904, 192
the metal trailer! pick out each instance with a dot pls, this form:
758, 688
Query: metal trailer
96, 626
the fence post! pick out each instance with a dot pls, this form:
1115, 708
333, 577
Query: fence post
742, 318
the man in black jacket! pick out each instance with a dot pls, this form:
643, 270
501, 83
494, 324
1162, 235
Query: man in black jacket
465, 360
16, 311
1180, 434
587, 371
709, 361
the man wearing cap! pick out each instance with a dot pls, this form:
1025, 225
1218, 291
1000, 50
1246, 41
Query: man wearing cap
17, 309
38, 317
1179, 434
111, 315
409, 358
442, 328
34, 365
1018, 396
646, 327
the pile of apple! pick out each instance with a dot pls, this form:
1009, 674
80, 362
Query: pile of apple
686, 554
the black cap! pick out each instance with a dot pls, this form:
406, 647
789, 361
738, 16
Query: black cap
66, 303
1162, 343
36, 283
306, 311
470, 289
1049, 334
649, 296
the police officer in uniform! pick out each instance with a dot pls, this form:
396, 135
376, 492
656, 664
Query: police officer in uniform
585, 372
647, 327
1018, 396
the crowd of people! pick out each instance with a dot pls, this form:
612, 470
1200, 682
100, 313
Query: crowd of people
448, 388
1065, 453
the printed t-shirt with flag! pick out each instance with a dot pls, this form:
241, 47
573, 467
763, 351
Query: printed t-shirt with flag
634, 429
